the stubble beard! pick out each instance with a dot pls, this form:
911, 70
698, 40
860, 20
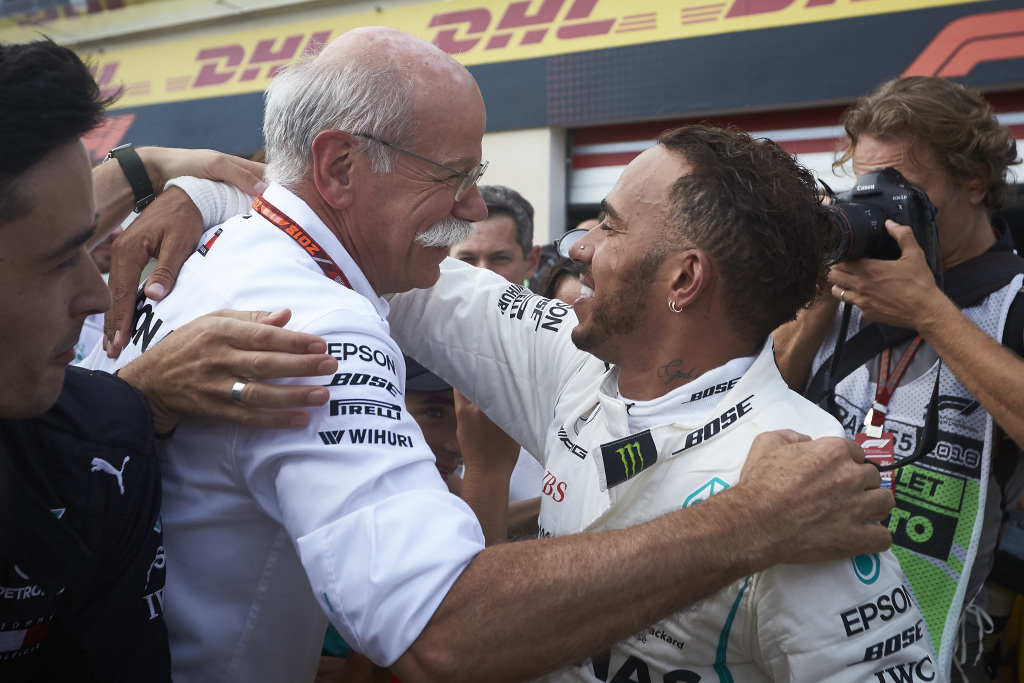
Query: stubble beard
619, 313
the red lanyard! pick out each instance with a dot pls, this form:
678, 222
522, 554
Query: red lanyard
887, 386
303, 239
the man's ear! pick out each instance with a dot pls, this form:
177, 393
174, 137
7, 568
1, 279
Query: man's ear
690, 274
976, 191
333, 161
532, 259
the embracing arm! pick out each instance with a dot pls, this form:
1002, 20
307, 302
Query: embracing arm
191, 371
904, 293
114, 197
522, 609
797, 341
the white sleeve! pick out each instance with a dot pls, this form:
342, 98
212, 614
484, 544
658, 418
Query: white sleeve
215, 200
379, 536
508, 350
846, 621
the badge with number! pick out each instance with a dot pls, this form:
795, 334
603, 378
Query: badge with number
880, 451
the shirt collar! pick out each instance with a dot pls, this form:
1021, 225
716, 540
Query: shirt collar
306, 218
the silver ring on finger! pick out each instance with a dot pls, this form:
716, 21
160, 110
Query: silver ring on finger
842, 296
236, 391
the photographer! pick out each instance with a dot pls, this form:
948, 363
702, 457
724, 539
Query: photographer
946, 142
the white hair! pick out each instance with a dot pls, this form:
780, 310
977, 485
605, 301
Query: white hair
317, 95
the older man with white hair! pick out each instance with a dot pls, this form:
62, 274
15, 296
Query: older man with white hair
374, 150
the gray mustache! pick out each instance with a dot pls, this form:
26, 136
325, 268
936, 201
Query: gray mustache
446, 232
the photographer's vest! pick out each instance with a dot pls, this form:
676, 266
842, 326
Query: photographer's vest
937, 524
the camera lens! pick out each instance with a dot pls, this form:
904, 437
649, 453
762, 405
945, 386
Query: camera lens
861, 229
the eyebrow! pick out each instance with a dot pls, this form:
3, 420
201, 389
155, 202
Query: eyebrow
72, 243
434, 399
607, 208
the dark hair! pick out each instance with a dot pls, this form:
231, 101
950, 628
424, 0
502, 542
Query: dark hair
559, 270
504, 201
958, 125
48, 99
755, 211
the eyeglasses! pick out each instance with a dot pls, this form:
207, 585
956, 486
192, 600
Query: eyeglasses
468, 179
565, 242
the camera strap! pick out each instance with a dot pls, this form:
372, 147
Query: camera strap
966, 284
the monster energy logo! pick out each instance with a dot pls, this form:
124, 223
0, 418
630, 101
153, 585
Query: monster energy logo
626, 458
632, 451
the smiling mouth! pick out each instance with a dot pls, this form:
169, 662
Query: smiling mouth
586, 291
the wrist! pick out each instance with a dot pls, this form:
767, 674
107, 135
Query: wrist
936, 315
136, 173
164, 419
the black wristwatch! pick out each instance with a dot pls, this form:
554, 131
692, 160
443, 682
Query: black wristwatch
135, 172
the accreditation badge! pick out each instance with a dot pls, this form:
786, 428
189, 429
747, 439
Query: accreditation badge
879, 450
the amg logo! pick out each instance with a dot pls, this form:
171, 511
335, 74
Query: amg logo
578, 451
357, 406
368, 436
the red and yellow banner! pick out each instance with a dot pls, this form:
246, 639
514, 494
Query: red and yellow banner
475, 31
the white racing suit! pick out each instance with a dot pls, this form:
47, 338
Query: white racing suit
510, 352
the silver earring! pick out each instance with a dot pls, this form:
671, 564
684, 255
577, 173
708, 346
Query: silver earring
672, 307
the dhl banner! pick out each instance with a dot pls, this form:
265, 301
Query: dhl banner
477, 32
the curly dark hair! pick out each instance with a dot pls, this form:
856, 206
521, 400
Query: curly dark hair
958, 124
48, 99
756, 212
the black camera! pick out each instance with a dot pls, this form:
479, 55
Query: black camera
860, 216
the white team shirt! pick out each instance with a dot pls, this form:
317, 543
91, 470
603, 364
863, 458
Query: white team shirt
510, 352
269, 530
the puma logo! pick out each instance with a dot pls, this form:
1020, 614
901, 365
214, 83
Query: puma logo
101, 465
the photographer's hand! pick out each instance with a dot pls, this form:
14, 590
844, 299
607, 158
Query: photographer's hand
904, 293
901, 292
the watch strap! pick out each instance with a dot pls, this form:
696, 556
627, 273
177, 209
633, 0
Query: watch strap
135, 172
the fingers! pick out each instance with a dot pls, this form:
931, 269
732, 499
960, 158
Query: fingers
246, 175
779, 438
277, 365
259, 331
262, 418
866, 539
266, 395
129, 257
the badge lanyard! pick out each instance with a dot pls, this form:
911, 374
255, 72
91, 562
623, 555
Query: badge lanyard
879, 446
887, 386
302, 238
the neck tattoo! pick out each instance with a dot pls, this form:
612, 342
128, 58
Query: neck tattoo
673, 372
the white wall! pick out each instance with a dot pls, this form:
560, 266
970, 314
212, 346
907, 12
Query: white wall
532, 162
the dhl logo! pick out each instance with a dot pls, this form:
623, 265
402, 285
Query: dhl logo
527, 23
221, 65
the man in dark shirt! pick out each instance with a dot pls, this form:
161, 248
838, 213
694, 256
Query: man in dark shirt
81, 553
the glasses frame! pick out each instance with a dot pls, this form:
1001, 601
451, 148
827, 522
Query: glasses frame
468, 179
568, 239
